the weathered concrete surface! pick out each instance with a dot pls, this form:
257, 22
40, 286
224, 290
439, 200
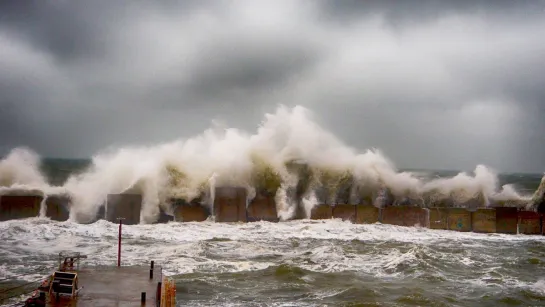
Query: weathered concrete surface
483, 220
506, 220
115, 286
230, 204
321, 212
367, 214
14, 207
127, 206
459, 219
57, 207
529, 222
405, 216
345, 212
262, 208
439, 218
189, 212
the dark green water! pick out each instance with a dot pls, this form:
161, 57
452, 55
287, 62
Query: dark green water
299, 263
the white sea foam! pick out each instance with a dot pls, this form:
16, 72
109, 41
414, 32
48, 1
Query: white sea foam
187, 168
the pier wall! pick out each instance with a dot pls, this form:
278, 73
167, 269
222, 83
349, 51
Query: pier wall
345, 212
14, 207
459, 219
367, 214
262, 208
438, 218
230, 204
506, 220
529, 222
483, 220
405, 216
57, 208
321, 212
189, 211
127, 206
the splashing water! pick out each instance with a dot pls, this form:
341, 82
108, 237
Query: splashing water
290, 157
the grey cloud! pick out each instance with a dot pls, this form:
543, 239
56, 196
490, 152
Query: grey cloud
435, 84
398, 14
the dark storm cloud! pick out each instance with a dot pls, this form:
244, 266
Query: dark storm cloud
438, 84
402, 13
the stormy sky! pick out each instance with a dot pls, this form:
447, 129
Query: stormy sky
433, 84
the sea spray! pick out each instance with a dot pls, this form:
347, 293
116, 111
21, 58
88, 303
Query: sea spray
290, 157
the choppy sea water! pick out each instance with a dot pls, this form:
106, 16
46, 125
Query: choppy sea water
296, 263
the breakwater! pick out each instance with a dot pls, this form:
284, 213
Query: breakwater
231, 204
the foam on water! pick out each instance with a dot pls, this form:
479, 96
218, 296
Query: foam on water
289, 152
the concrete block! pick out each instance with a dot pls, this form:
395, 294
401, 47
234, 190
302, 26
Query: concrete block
127, 206
506, 220
230, 204
19, 206
483, 220
529, 222
262, 208
164, 217
189, 212
459, 219
367, 214
321, 212
345, 212
438, 218
57, 207
405, 216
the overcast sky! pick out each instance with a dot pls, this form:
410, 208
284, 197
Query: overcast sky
433, 84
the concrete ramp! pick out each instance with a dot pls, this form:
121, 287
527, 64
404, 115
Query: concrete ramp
484, 220
405, 216
189, 212
345, 212
57, 208
506, 220
529, 222
14, 207
367, 214
459, 219
439, 218
127, 206
230, 204
262, 208
321, 212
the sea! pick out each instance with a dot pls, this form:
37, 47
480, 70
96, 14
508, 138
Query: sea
290, 263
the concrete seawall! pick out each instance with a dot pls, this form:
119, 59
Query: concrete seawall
231, 205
